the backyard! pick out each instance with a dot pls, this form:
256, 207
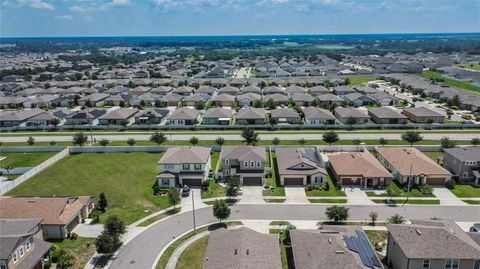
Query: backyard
30, 159
214, 189
126, 178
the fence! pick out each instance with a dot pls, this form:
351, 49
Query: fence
30, 149
8, 185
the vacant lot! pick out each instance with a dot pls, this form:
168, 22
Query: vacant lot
464, 85
24, 159
126, 178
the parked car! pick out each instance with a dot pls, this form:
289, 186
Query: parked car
475, 229
185, 191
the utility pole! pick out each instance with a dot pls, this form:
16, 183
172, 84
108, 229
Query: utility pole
408, 186
193, 211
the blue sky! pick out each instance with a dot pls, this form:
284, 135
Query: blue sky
24, 18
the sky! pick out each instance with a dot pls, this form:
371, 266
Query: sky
52, 18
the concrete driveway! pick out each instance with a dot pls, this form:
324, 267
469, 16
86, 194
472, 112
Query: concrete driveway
296, 195
88, 230
446, 197
252, 195
356, 196
186, 202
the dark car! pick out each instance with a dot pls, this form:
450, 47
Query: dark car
185, 191
475, 229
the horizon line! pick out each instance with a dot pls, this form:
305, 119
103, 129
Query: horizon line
234, 35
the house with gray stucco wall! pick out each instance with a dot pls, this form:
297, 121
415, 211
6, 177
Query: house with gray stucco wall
463, 163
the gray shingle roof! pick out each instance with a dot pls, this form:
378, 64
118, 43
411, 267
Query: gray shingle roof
185, 154
251, 113
317, 113
218, 112
386, 113
465, 154
243, 153
184, 113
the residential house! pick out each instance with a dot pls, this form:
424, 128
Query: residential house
184, 166
114, 100
139, 90
384, 99
120, 116
171, 99
349, 115
228, 90
300, 166
273, 89
195, 99
184, 116
247, 162
357, 99
431, 244
330, 99
250, 115
162, 90
277, 98
386, 115
343, 90
408, 164
285, 115
242, 248
44, 119
21, 244
423, 115
251, 89
15, 102
302, 99
86, 116
365, 89
183, 90
318, 90
333, 247
463, 163
358, 169
217, 116
206, 90
248, 99
150, 116
58, 215
96, 99
19, 117
223, 100
315, 115
295, 89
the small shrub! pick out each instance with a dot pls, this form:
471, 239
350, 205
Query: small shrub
205, 185
450, 184
156, 190
73, 236
426, 189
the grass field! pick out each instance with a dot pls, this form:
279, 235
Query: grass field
30, 159
413, 192
469, 66
274, 181
332, 191
464, 85
466, 191
361, 80
81, 249
126, 178
193, 255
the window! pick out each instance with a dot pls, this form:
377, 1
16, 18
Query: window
451, 263
198, 167
186, 166
3, 264
27, 245
426, 263
476, 264
252, 164
227, 172
21, 251
14, 257
465, 174
165, 182
169, 166
259, 164
245, 164
227, 161
470, 162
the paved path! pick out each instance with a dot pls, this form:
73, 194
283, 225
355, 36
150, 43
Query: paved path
141, 251
251, 195
446, 197
295, 195
172, 262
186, 137
186, 202
356, 196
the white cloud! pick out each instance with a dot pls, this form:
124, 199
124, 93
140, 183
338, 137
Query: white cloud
38, 4
99, 6
66, 17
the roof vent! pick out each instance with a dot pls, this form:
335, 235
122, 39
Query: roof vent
236, 251
248, 251
329, 240
418, 232
339, 252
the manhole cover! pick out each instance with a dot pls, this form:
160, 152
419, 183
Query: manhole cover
132, 262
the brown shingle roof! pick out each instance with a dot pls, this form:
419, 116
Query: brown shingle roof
355, 163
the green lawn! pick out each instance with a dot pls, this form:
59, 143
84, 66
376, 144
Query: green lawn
466, 191
126, 178
469, 66
81, 249
434, 155
413, 192
332, 191
286, 251
159, 217
464, 85
472, 202
410, 201
194, 255
360, 80
24, 159
274, 181
328, 201
214, 189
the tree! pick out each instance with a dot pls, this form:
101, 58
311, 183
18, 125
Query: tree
55, 121
287, 232
302, 141
475, 141
122, 103
114, 226
412, 137
80, 139
382, 141
200, 105
104, 142
219, 141
356, 142
64, 260
102, 202
347, 81
396, 219
250, 136
330, 137
194, 140
88, 103
53, 143
233, 187
221, 210
131, 142
258, 104
276, 140
174, 197
107, 243
31, 141
337, 213
373, 217
271, 104
158, 138
446, 143
392, 191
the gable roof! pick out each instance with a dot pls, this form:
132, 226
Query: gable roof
184, 113
298, 161
422, 112
312, 112
358, 163
284, 112
218, 112
465, 153
185, 154
243, 153
350, 112
120, 114
386, 113
251, 113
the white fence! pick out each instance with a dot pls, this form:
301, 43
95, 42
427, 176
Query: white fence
8, 185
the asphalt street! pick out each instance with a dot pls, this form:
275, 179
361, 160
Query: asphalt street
143, 250
186, 137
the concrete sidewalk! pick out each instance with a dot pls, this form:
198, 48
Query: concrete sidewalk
356, 196
252, 195
296, 195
